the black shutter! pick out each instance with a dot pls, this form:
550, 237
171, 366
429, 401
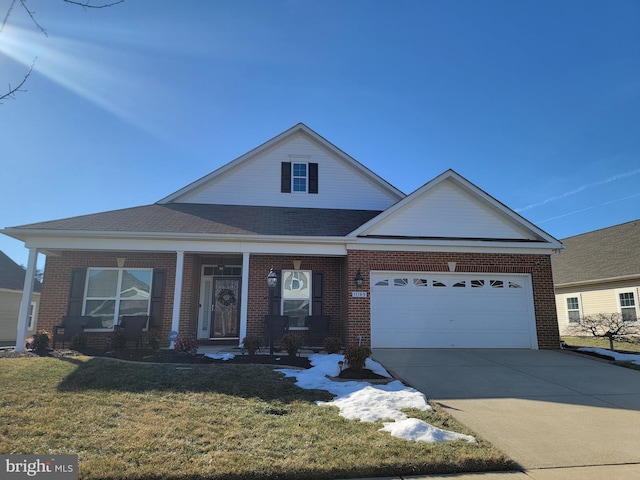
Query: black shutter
313, 178
76, 292
285, 177
316, 293
275, 296
157, 298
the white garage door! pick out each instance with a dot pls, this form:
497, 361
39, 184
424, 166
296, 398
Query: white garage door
451, 310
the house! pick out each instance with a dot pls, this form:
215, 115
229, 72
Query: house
446, 266
11, 284
598, 272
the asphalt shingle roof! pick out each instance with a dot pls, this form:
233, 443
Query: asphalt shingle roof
12, 275
607, 253
216, 220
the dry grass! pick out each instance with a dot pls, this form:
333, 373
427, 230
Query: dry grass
134, 421
598, 342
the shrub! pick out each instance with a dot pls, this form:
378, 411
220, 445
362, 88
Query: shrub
39, 342
252, 344
356, 357
153, 340
291, 343
79, 341
332, 345
186, 344
117, 339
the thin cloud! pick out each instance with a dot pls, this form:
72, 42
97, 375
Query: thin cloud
578, 190
590, 208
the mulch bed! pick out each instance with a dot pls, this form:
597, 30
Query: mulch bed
170, 356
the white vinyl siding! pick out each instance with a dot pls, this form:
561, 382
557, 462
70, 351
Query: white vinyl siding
593, 300
448, 210
257, 181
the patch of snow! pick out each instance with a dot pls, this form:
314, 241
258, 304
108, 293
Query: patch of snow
419, 431
220, 356
369, 403
621, 357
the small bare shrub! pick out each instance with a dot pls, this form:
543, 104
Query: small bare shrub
332, 345
252, 344
356, 357
291, 343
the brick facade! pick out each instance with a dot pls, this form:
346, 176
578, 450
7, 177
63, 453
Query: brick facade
350, 316
538, 266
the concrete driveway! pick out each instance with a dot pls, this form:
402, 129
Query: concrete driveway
558, 414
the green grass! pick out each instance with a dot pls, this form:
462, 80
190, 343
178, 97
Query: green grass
599, 342
132, 421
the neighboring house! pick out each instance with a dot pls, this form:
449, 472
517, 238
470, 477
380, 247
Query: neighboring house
11, 285
446, 266
598, 272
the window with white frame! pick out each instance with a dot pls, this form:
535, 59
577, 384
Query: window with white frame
573, 309
111, 293
299, 177
296, 296
33, 315
628, 306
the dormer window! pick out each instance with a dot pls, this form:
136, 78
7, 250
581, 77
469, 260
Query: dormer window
299, 177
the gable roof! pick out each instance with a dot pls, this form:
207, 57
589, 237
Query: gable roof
601, 255
189, 218
12, 275
378, 181
449, 207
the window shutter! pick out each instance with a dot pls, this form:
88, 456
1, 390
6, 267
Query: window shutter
157, 298
313, 178
285, 177
275, 296
317, 293
76, 291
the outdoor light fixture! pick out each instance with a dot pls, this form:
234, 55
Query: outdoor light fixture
359, 279
272, 278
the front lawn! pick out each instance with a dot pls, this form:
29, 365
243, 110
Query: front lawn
129, 421
599, 342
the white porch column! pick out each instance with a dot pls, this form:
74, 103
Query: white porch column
244, 296
177, 295
25, 304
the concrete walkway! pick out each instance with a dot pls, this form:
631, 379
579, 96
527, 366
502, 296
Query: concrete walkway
559, 415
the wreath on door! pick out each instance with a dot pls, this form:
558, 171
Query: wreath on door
226, 297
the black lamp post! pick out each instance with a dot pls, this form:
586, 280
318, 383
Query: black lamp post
272, 281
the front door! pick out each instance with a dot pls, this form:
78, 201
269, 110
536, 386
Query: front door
225, 308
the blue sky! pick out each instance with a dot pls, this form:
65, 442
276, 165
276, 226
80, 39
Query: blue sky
535, 102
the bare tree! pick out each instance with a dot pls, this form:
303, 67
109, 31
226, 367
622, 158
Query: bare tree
613, 326
12, 90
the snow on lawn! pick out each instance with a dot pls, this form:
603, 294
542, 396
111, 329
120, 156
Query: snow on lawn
220, 356
621, 357
368, 403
